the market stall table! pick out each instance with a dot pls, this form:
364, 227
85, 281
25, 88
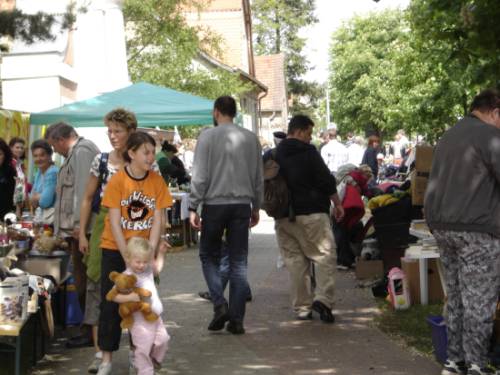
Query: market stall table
183, 215
14, 330
183, 197
422, 255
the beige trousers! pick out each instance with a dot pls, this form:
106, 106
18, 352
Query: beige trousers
309, 238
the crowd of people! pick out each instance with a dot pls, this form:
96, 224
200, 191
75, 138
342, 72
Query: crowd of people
110, 207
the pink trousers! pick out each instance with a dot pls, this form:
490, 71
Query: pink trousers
150, 341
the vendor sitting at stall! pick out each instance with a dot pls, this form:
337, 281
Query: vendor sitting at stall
171, 167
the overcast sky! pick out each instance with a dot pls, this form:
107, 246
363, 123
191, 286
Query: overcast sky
331, 13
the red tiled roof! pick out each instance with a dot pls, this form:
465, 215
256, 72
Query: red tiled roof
270, 70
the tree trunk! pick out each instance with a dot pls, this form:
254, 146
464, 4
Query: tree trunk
278, 32
464, 103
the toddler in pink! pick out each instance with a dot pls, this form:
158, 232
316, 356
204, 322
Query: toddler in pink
150, 339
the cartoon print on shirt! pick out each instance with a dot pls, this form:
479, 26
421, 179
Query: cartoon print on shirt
138, 206
137, 211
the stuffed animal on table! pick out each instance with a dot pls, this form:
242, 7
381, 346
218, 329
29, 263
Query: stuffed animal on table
125, 284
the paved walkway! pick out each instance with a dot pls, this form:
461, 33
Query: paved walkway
275, 343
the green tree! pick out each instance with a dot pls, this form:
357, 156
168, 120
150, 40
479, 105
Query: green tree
277, 26
161, 48
382, 80
362, 69
464, 33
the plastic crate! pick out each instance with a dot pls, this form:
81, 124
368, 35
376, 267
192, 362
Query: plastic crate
439, 337
391, 256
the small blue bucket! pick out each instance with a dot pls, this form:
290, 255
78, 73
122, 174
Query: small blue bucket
439, 337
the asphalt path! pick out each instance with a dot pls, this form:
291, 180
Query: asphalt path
275, 342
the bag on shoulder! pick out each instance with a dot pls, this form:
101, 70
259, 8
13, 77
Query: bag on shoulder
276, 194
103, 175
48, 215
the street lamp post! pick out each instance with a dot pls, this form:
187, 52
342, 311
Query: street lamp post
327, 106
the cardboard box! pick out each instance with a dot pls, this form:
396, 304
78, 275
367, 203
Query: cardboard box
420, 176
369, 269
423, 158
411, 270
418, 188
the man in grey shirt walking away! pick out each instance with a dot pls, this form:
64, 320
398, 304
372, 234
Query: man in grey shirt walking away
227, 179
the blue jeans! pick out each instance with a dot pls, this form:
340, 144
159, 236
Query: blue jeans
224, 269
233, 220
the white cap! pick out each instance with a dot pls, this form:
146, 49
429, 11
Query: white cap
332, 125
380, 156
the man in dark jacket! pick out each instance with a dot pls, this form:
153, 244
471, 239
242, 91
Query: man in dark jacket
462, 208
309, 237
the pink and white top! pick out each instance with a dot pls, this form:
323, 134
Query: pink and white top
146, 280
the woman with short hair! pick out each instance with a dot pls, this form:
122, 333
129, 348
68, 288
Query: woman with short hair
43, 194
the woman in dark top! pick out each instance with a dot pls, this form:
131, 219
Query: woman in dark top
7, 180
370, 156
176, 168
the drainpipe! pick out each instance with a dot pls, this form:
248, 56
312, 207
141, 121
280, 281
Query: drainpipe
248, 29
259, 105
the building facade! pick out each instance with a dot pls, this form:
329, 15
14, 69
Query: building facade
230, 21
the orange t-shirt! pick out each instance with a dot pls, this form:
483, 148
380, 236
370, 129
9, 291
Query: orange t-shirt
137, 200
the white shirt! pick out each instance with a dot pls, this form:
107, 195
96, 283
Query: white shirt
146, 280
355, 154
334, 154
399, 145
187, 159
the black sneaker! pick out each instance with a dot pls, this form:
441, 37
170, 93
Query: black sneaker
221, 316
236, 328
325, 314
205, 295
476, 370
454, 368
79, 342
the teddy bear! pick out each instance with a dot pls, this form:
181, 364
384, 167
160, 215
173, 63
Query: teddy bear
125, 284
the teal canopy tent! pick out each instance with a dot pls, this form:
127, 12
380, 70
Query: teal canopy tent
152, 105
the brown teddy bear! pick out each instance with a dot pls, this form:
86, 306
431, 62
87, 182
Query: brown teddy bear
125, 284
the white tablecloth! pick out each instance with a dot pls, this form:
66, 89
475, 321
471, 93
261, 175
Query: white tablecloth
184, 198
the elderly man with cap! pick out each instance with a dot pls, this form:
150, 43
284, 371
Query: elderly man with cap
278, 136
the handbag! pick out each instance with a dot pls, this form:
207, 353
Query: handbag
48, 215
